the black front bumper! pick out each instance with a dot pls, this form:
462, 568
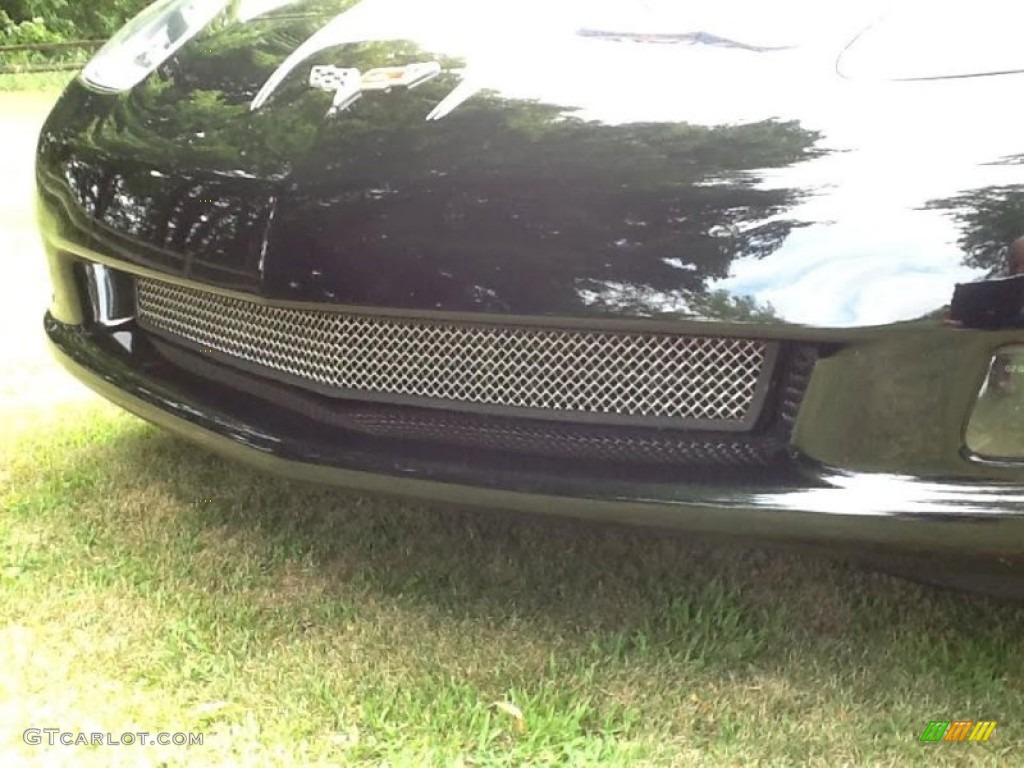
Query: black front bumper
875, 458
807, 502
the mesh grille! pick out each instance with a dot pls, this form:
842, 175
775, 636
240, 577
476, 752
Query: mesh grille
535, 438
576, 441
665, 376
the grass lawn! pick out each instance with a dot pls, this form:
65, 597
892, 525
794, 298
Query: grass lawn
148, 586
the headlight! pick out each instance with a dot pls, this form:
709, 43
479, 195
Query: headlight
995, 427
147, 41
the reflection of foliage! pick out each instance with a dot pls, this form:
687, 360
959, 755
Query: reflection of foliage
613, 217
236, 59
643, 301
200, 130
990, 219
195, 109
513, 205
723, 305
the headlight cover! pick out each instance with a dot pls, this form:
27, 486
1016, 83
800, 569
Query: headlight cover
147, 41
996, 427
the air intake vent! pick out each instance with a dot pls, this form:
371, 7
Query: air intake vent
660, 379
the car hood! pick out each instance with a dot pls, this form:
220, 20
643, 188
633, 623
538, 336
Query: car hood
594, 160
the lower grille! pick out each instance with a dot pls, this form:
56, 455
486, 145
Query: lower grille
662, 379
529, 437
572, 441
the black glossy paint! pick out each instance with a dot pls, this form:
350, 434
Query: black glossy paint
699, 180
582, 175
808, 503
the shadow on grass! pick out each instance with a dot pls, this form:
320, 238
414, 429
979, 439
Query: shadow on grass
502, 563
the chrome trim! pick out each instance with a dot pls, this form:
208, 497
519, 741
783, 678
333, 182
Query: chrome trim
110, 295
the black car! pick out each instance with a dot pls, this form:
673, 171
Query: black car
750, 272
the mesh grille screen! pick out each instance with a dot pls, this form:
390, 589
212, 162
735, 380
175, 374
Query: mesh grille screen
615, 444
666, 376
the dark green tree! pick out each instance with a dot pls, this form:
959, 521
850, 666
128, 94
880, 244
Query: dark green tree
990, 219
